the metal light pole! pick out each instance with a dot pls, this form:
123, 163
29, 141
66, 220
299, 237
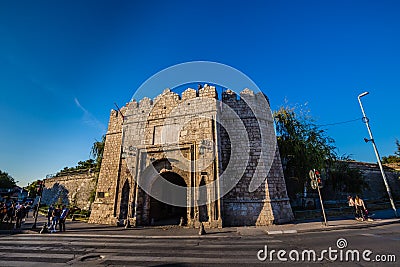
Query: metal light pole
41, 185
366, 121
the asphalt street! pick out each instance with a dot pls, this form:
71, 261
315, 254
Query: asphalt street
116, 247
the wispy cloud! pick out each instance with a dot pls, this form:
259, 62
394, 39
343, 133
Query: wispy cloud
88, 117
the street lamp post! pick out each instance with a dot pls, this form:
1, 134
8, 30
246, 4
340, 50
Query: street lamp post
366, 121
40, 191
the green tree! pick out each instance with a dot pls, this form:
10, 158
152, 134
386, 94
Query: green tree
6, 181
32, 189
393, 158
89, 164
344, 178
82, 165
97, 151
302, 145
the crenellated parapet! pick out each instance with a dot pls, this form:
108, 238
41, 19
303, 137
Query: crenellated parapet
170, 98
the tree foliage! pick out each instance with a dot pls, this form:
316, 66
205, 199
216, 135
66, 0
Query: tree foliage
342, 178
32, 189
97, 151
393, 158
302, 145
6, 181
89, 164
82, 166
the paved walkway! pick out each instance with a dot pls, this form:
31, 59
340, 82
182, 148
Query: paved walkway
382, 217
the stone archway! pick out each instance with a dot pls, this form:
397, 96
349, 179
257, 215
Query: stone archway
203, 209
123, 208
162, 213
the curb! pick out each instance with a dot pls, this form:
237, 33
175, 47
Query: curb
135, 236
215, 235
280, 232
356, 226
17, 231
331, 228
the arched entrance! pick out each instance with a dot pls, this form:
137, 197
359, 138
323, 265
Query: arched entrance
163, 213
123, 209
203, 210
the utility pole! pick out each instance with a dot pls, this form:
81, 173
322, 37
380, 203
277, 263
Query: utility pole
366, 121
40, 190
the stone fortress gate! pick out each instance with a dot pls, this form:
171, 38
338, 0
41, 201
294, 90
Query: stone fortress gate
192, 159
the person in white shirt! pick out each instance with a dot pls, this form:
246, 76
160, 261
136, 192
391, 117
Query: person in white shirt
360, 207
63, 217
353, 205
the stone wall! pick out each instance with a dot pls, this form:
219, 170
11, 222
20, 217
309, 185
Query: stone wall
199, 140
376, 191
373, 176
269, 203
107, 186
73, 188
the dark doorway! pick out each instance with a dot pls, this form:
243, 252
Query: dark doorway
203, 210
123, 209
163, 213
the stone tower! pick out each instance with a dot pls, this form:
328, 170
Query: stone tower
192, 159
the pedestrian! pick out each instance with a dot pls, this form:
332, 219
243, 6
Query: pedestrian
49, 215
34, 211
3, 211
63, 217
19, 214
351, 203
10, 213
361, 210
27, 208
55, 217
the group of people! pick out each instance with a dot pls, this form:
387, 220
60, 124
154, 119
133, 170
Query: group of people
360, 212
56, 216
10, 212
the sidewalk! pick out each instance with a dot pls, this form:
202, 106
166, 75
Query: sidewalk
382, 217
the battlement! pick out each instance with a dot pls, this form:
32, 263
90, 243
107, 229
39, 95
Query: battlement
207, 91
169, 96
245, 95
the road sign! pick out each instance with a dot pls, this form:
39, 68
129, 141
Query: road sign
319, 183
314, 184
312, 175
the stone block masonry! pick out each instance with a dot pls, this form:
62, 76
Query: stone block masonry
221, 156
72, 189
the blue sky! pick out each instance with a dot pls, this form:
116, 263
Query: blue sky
63, 64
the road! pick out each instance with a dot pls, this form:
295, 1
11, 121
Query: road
223, 249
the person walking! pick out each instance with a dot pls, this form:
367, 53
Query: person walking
351, 203
3, 211
55, 217
63, 217
360, 207
19, 215
49, 215
34, 211
27, 209
10, 213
